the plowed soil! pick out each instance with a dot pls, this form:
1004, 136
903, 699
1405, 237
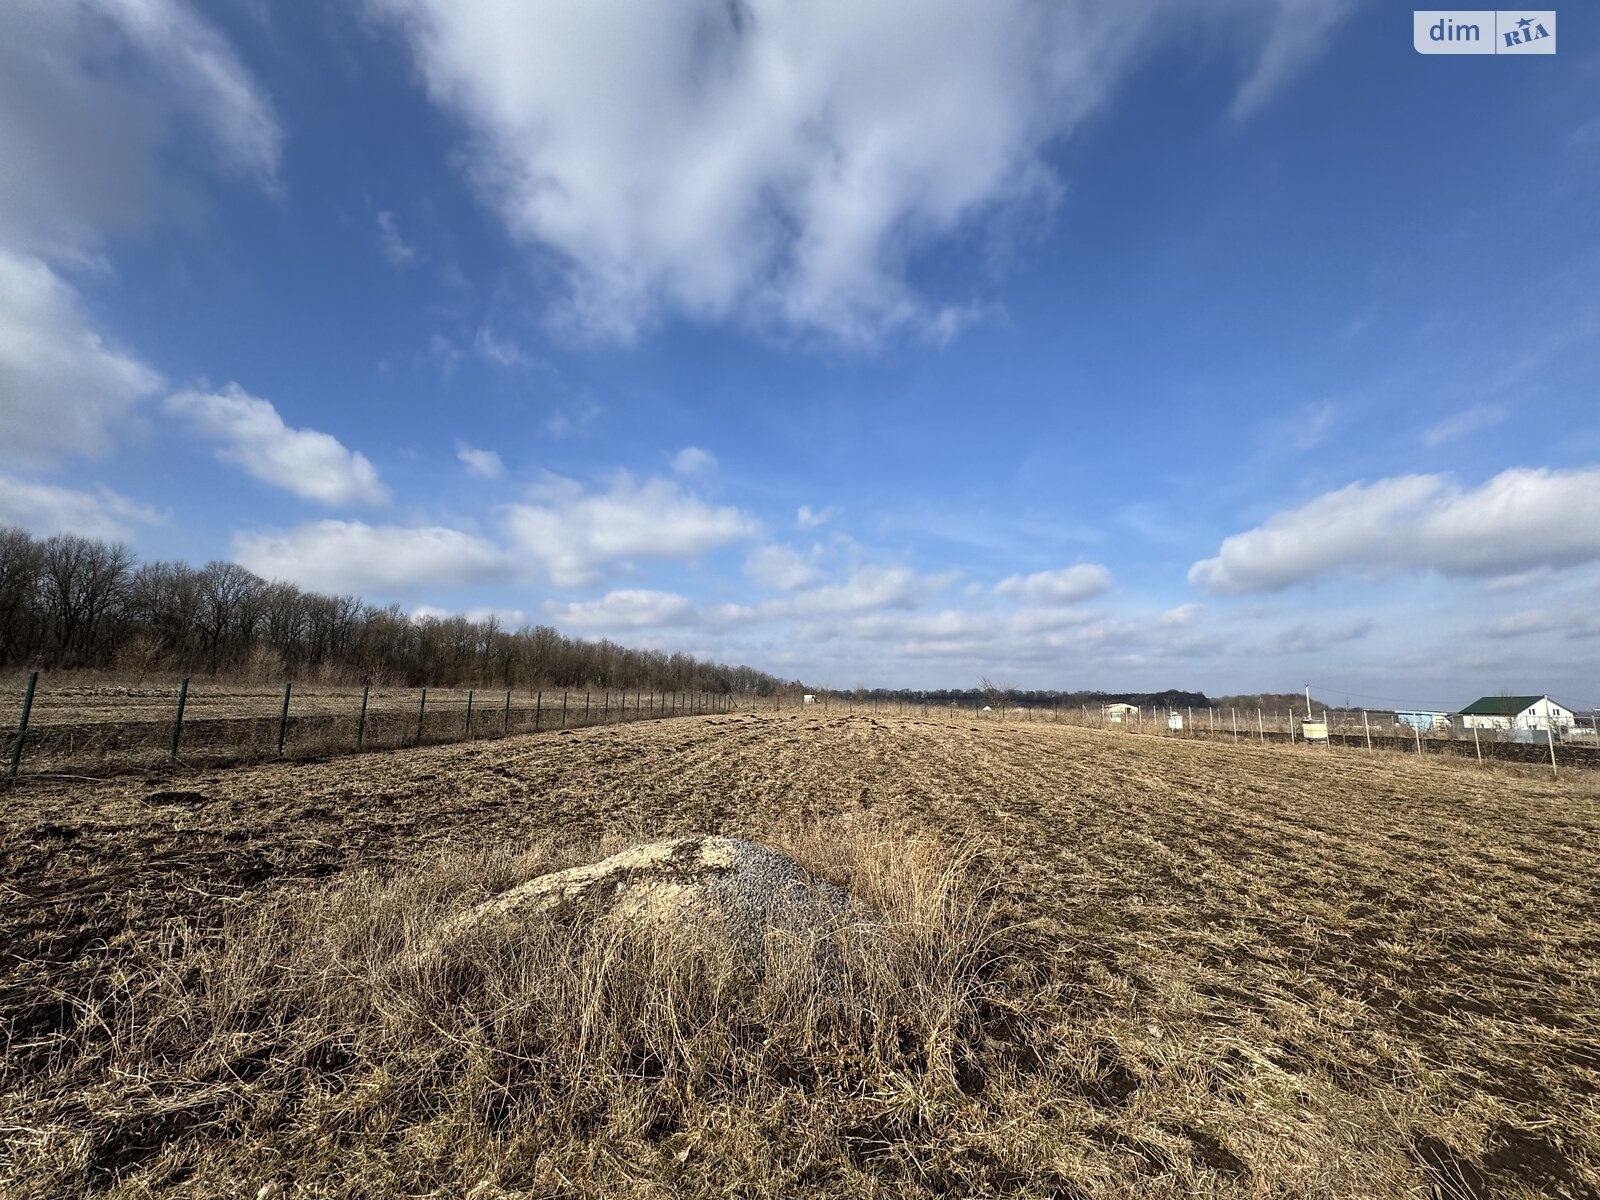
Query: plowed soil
1292, 972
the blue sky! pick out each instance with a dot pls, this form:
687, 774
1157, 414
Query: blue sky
1225, 348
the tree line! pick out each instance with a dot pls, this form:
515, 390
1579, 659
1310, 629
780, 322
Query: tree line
77, 602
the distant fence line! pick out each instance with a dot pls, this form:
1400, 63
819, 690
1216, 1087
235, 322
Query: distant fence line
1577, 745
40, 745
277, 728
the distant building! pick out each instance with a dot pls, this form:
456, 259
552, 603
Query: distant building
1516, 712
1120, 712
809, 698
1423, 722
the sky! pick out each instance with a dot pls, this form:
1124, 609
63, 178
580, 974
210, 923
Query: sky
1228, 347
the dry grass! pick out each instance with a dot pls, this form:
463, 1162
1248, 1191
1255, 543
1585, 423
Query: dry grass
325, 1040
1178, 968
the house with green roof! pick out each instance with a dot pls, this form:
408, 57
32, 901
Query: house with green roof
1516, 712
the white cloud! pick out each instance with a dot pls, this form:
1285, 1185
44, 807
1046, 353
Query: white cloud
1464, 423
628, 608
780, 162
1313, 637
1521, 519
508, 618
692, 460
351, 556
43, 509
312, 465
1297, 31
97, 100
396, 251
202, 67
1078, 582
61, 386
1182, 614
1312, 425
484, 463
501, 351
576, 534
871, 588
806, 517
83, 120
779, 568
1529, 620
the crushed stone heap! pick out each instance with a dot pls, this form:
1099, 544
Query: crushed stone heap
727, 888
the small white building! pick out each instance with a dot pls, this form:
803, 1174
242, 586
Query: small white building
1120, 712
1516, 712
809, 699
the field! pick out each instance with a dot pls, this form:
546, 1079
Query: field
1228, 970
111, 727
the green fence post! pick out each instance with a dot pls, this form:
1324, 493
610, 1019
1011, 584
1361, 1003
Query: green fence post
361, 721
422, 708
469, 714
283, 717
586, 708
563, 710
505, 718
605, 708
177, 722
538, 705
22, 725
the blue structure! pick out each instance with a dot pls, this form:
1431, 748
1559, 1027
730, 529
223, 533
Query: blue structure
1423, 722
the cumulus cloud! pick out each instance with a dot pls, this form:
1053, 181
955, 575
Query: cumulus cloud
806, 517
627, 608
781, 162
692, 460
779, 568
483, 463
871, 588
312, 465
1069, 584
575, 534
1522, 519
88, 93
62, 387
352, 556
44, 509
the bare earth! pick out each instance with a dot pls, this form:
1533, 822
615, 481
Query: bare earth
1289, 972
